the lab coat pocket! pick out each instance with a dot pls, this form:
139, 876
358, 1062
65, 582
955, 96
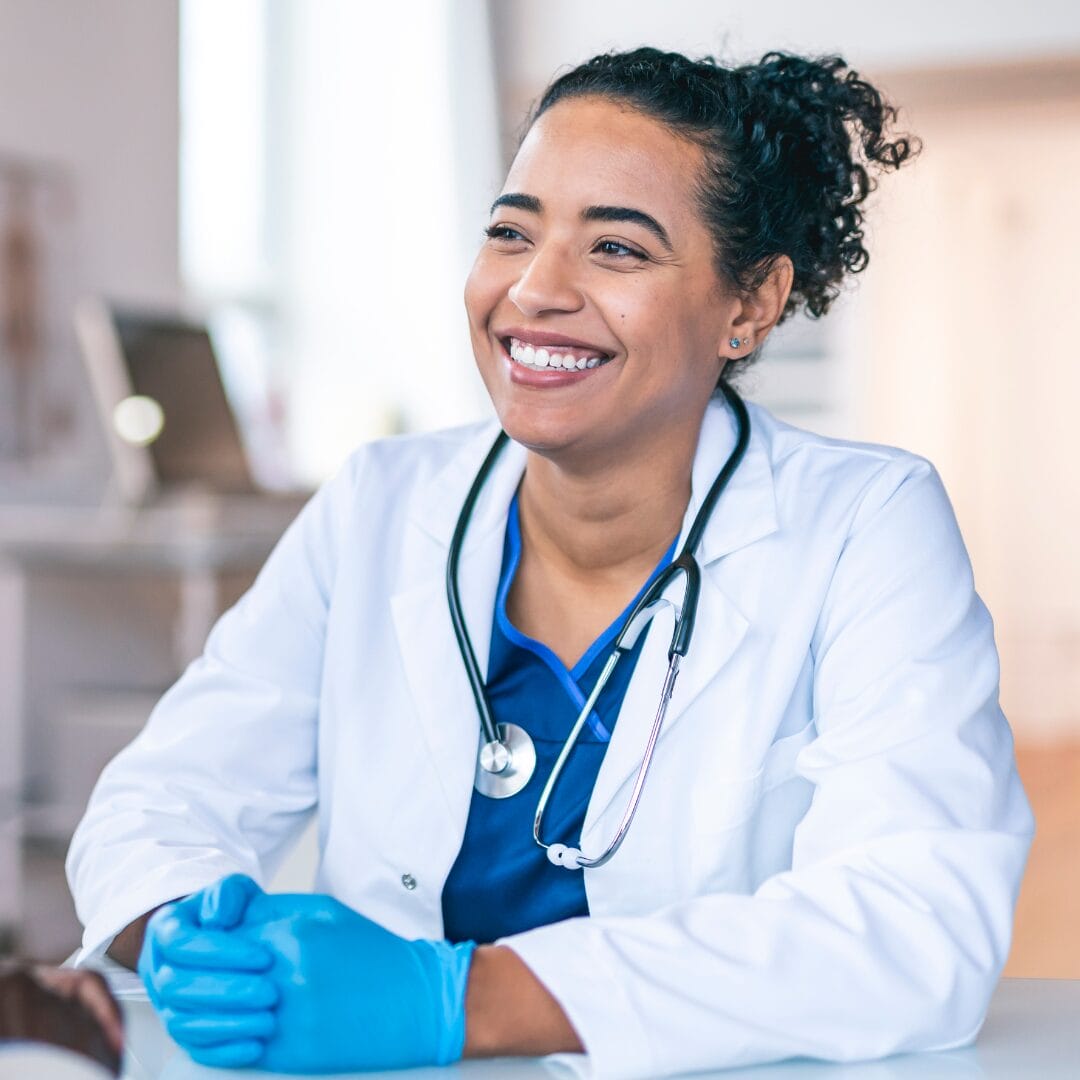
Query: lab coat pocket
729, 847
723, 802
780, 759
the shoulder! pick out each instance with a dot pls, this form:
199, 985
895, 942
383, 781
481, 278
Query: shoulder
360, 515
401, 462
822, 475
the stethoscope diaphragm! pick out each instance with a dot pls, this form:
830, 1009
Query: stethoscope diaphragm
506, 765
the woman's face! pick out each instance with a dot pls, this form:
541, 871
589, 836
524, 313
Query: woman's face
597, 260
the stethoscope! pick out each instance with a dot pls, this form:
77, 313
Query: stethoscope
507, 757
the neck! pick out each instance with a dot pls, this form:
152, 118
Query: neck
610, 514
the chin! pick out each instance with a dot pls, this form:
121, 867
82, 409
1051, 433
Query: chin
542, 432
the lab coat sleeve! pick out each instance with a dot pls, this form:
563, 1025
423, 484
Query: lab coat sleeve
890, 929
223, 776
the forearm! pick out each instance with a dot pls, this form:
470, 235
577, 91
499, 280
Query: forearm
508, 1011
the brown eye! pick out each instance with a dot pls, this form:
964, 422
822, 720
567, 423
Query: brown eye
502, 232
619, 250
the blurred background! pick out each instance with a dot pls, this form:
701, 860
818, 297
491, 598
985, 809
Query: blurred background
272, 206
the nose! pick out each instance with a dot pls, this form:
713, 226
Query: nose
547, 283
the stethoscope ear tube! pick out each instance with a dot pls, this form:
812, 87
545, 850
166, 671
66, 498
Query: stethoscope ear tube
742, 440
684, 620
457, 617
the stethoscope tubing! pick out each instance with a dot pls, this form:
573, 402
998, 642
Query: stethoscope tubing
457, 616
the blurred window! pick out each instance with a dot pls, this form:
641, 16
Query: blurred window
337, 160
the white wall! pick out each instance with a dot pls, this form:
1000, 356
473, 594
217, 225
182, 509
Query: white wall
534, 39
390, 174
90, 90
93, 87
972, 358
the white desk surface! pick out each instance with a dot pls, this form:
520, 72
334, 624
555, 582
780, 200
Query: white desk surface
1032, 1033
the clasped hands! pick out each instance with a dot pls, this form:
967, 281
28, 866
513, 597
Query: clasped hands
298, 983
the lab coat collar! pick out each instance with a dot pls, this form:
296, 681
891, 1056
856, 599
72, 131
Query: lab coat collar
746, 511
437, 503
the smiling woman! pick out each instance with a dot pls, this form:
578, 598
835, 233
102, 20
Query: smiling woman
455, 656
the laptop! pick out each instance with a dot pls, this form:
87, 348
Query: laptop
158, 390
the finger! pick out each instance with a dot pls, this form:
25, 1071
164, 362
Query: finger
214, 1029
225, 902
216, 991
177, 943
235, 1055
91, 991
147, 964
96, 998
60, 981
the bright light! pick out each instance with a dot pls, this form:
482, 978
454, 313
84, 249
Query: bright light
138, 420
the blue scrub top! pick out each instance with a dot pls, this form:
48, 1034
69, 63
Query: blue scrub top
502, 882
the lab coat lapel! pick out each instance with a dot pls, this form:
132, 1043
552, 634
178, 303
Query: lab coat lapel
744, 514
429, 653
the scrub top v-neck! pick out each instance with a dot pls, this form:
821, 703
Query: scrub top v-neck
502, 882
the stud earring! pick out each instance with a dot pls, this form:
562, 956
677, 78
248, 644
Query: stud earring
735, 343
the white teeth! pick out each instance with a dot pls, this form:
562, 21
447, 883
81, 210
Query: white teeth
544, 358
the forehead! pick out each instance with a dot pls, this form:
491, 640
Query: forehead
591, 151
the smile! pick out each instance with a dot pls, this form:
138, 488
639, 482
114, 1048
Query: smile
554, 358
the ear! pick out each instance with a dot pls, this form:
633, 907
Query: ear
758, 312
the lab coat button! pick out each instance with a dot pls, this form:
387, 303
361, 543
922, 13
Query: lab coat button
408, 881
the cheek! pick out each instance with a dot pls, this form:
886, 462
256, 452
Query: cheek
483, 288
648, 322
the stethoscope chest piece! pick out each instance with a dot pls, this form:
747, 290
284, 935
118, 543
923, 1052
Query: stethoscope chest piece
503, 768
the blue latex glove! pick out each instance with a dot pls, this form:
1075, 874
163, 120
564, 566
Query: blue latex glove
212, 988
352, 995
349, 994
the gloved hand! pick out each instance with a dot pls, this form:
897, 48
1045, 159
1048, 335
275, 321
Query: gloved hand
212, 988
352, 995
349, 994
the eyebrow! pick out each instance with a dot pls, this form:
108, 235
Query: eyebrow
533, 205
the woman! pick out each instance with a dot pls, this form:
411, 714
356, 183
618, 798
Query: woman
825, 856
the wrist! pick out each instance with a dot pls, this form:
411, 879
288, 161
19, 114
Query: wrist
449, 980
510, 1012
126, 947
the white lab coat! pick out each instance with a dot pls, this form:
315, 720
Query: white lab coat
830, 842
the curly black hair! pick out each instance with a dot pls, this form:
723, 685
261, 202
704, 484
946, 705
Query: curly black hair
788, 144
